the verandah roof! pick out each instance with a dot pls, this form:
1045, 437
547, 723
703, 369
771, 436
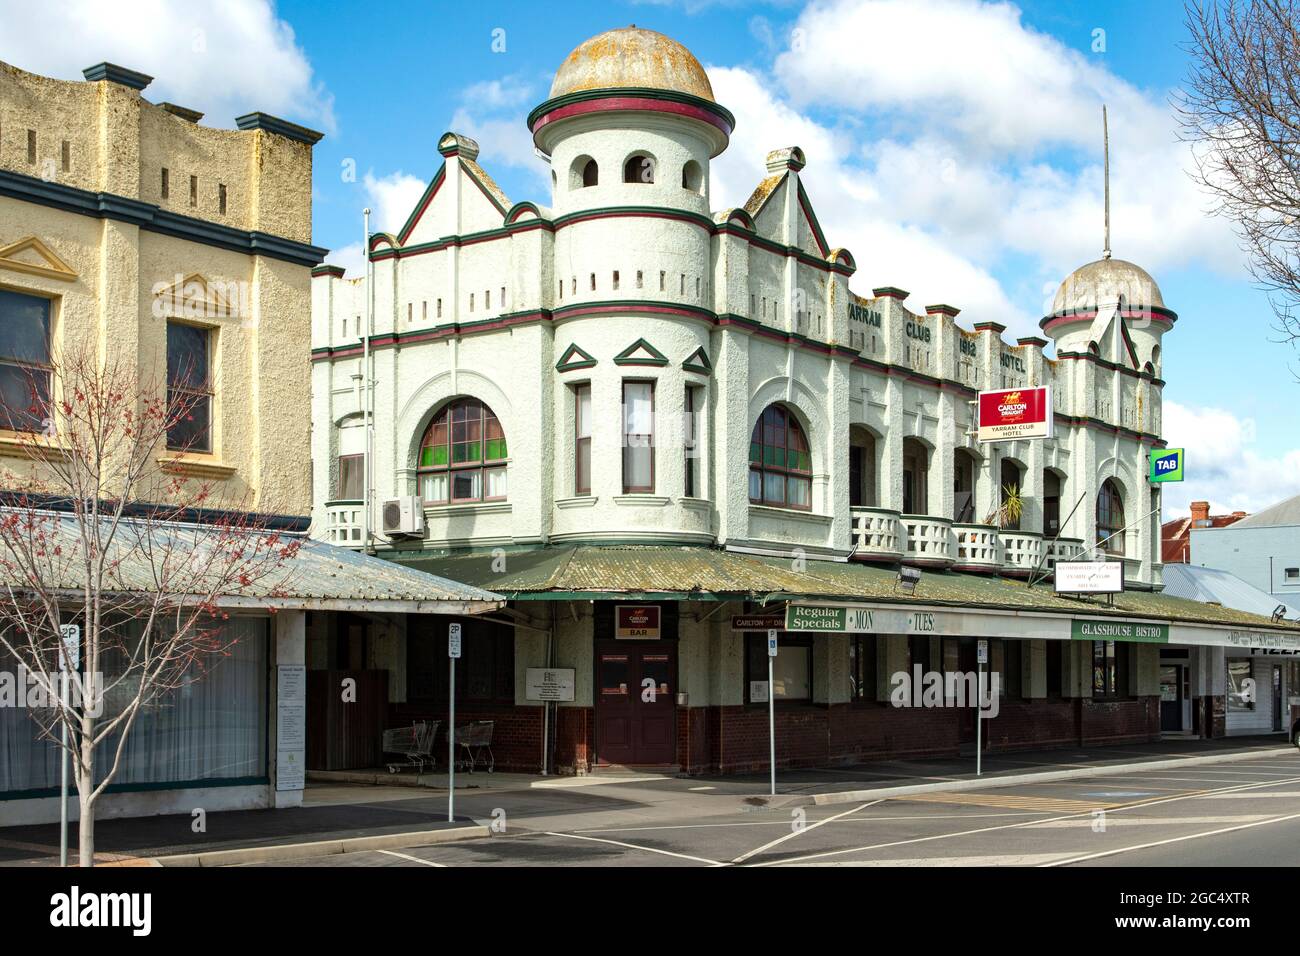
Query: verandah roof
704, 574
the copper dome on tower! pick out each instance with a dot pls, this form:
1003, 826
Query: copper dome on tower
632, 58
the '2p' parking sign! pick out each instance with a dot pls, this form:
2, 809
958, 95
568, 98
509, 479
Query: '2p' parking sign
1166, 464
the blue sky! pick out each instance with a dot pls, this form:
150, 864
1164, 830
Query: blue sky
954, 146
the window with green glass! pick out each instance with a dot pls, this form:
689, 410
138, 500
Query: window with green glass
780, 463
463, 455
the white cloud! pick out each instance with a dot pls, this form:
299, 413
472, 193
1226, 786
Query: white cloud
222, 57
1224, 465
392, 199
350, 257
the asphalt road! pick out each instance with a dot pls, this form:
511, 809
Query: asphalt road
1245, 813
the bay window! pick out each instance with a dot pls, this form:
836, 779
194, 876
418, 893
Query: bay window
638, 437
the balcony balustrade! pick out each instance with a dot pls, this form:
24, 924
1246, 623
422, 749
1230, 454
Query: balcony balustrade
343, 523
928, 541
978, 547
876, 534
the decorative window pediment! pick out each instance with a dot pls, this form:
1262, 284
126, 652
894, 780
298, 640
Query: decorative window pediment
640, 352
698, 361
574, 358
194, 297
34, 257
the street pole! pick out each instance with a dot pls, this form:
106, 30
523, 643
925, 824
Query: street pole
63, 774
453, 652
771, 709
979, 722
69, 659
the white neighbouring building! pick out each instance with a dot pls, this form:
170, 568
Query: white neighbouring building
629, 399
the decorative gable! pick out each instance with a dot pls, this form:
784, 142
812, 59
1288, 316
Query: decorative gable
640, 352
34, 257
698, 361
194, 297
574, 358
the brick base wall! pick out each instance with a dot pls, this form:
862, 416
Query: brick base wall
734, 739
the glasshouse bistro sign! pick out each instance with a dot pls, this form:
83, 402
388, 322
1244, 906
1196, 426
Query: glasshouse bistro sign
1119, 631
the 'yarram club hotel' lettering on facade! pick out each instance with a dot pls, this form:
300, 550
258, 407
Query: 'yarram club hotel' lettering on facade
624, 394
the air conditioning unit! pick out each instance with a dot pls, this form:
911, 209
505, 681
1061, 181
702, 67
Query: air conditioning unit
402, 517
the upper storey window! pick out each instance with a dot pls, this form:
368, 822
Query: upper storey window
590, 173
780, 464
24, 360
639, 168
1110, 518
463, 455
692, 178
189, 387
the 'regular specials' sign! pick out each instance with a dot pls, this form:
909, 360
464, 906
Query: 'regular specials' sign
1012, 413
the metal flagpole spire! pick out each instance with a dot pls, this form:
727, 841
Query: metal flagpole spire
1105, 140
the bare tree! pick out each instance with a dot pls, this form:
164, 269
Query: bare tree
100, 530
1241, 107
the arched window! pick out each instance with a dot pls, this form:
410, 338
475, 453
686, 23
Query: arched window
463, 455
691, 177
1110, 518
639, 168
780, 464
916, 477
963, 486
590, 173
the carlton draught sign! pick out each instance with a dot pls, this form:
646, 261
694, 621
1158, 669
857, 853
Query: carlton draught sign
1014, 413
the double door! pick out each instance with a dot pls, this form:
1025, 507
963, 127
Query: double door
636, 707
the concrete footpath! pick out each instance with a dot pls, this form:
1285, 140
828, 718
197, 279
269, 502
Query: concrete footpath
365, 811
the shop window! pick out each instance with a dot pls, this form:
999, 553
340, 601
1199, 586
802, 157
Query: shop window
1110, 518
485, 673
862, 667
24, 361
189, 387
1109, 669
780, 462
791, 669
1012, 673
463, 455
918, 652
638, 438
1241, 686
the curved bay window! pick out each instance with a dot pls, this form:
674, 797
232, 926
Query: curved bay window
463, 455
780, 464
1110, 518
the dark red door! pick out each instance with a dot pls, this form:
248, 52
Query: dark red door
636, 712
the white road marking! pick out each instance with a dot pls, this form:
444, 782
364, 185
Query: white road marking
1179, 839
1265, 794
413, 859
1149, 821
786, 823
633, 846
1007, 826
1025, 859
802, 830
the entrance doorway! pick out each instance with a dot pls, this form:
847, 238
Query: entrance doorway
636, 708
1173, 695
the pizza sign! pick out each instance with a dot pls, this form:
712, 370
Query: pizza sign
1013, 413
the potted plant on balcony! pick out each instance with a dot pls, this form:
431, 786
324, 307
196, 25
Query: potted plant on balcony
1007, 515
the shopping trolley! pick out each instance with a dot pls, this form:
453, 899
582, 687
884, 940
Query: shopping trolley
475, 741
415, 743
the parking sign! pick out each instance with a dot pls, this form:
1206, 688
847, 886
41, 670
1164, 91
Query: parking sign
453, 641
771, 643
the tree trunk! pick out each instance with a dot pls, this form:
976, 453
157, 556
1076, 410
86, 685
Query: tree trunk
85, 831
85, 788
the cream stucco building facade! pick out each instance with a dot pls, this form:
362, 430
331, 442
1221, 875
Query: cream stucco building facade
632, 275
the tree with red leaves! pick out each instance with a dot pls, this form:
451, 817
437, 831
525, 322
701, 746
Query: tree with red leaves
101, 527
